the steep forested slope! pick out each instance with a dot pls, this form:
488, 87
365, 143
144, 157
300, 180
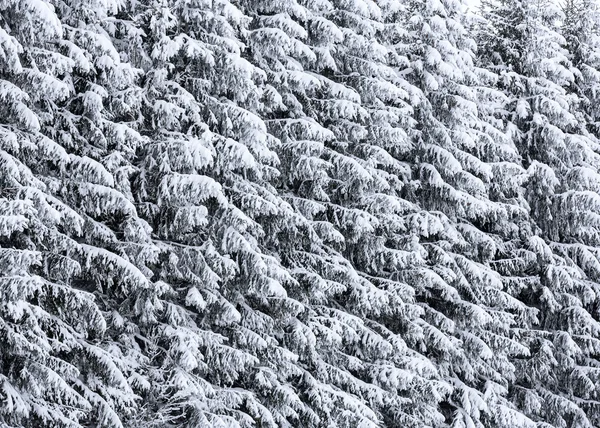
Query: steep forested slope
299, 213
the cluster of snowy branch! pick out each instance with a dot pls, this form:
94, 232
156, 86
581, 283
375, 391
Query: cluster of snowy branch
299, 213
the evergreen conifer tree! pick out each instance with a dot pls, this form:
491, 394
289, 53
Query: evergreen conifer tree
545, 112
69, 221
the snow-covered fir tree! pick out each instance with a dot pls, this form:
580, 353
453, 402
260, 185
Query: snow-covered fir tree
70, 235
462, 162
546, 116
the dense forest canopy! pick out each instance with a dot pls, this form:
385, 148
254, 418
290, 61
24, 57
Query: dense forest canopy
300, 213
